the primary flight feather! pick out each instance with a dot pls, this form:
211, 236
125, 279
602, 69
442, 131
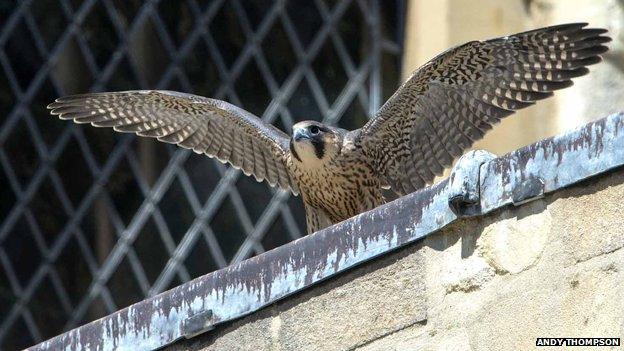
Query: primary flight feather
439, 112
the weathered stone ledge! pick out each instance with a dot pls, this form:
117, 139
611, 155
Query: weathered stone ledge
550, 268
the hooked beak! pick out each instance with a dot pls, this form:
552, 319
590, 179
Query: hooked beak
302, 133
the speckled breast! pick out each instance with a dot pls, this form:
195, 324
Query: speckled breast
343, 189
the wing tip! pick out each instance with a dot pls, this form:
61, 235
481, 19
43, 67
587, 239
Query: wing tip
567, 26
601, 49
57, 103
68, 100
560, 85
595, 31
578, 72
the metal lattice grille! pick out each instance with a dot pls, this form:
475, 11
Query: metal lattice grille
92, 221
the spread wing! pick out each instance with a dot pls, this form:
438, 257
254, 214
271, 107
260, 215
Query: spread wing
451, 101
212, 127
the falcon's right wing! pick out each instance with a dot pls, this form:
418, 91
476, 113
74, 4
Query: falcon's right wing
452, 100
212, 127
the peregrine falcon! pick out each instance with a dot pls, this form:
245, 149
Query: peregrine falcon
438, 113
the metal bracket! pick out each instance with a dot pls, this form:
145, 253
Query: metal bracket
528, 190
464, 183
197, 324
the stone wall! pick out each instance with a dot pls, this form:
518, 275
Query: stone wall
550, 268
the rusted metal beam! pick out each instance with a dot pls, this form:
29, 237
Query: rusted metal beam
477, 185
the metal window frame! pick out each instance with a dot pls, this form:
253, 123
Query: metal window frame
363, 78
478, 184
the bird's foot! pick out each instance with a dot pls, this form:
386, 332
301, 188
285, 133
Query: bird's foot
464, 183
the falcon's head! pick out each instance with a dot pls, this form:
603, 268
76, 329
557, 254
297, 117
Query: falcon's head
313, 142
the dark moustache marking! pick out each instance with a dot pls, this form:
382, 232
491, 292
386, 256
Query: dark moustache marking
293, 151
319, 148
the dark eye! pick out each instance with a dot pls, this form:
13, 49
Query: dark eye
314, 130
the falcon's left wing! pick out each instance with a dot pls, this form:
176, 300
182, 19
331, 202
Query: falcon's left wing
452, 100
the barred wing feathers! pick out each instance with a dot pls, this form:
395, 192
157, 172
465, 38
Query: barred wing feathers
207, 126
451, 101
